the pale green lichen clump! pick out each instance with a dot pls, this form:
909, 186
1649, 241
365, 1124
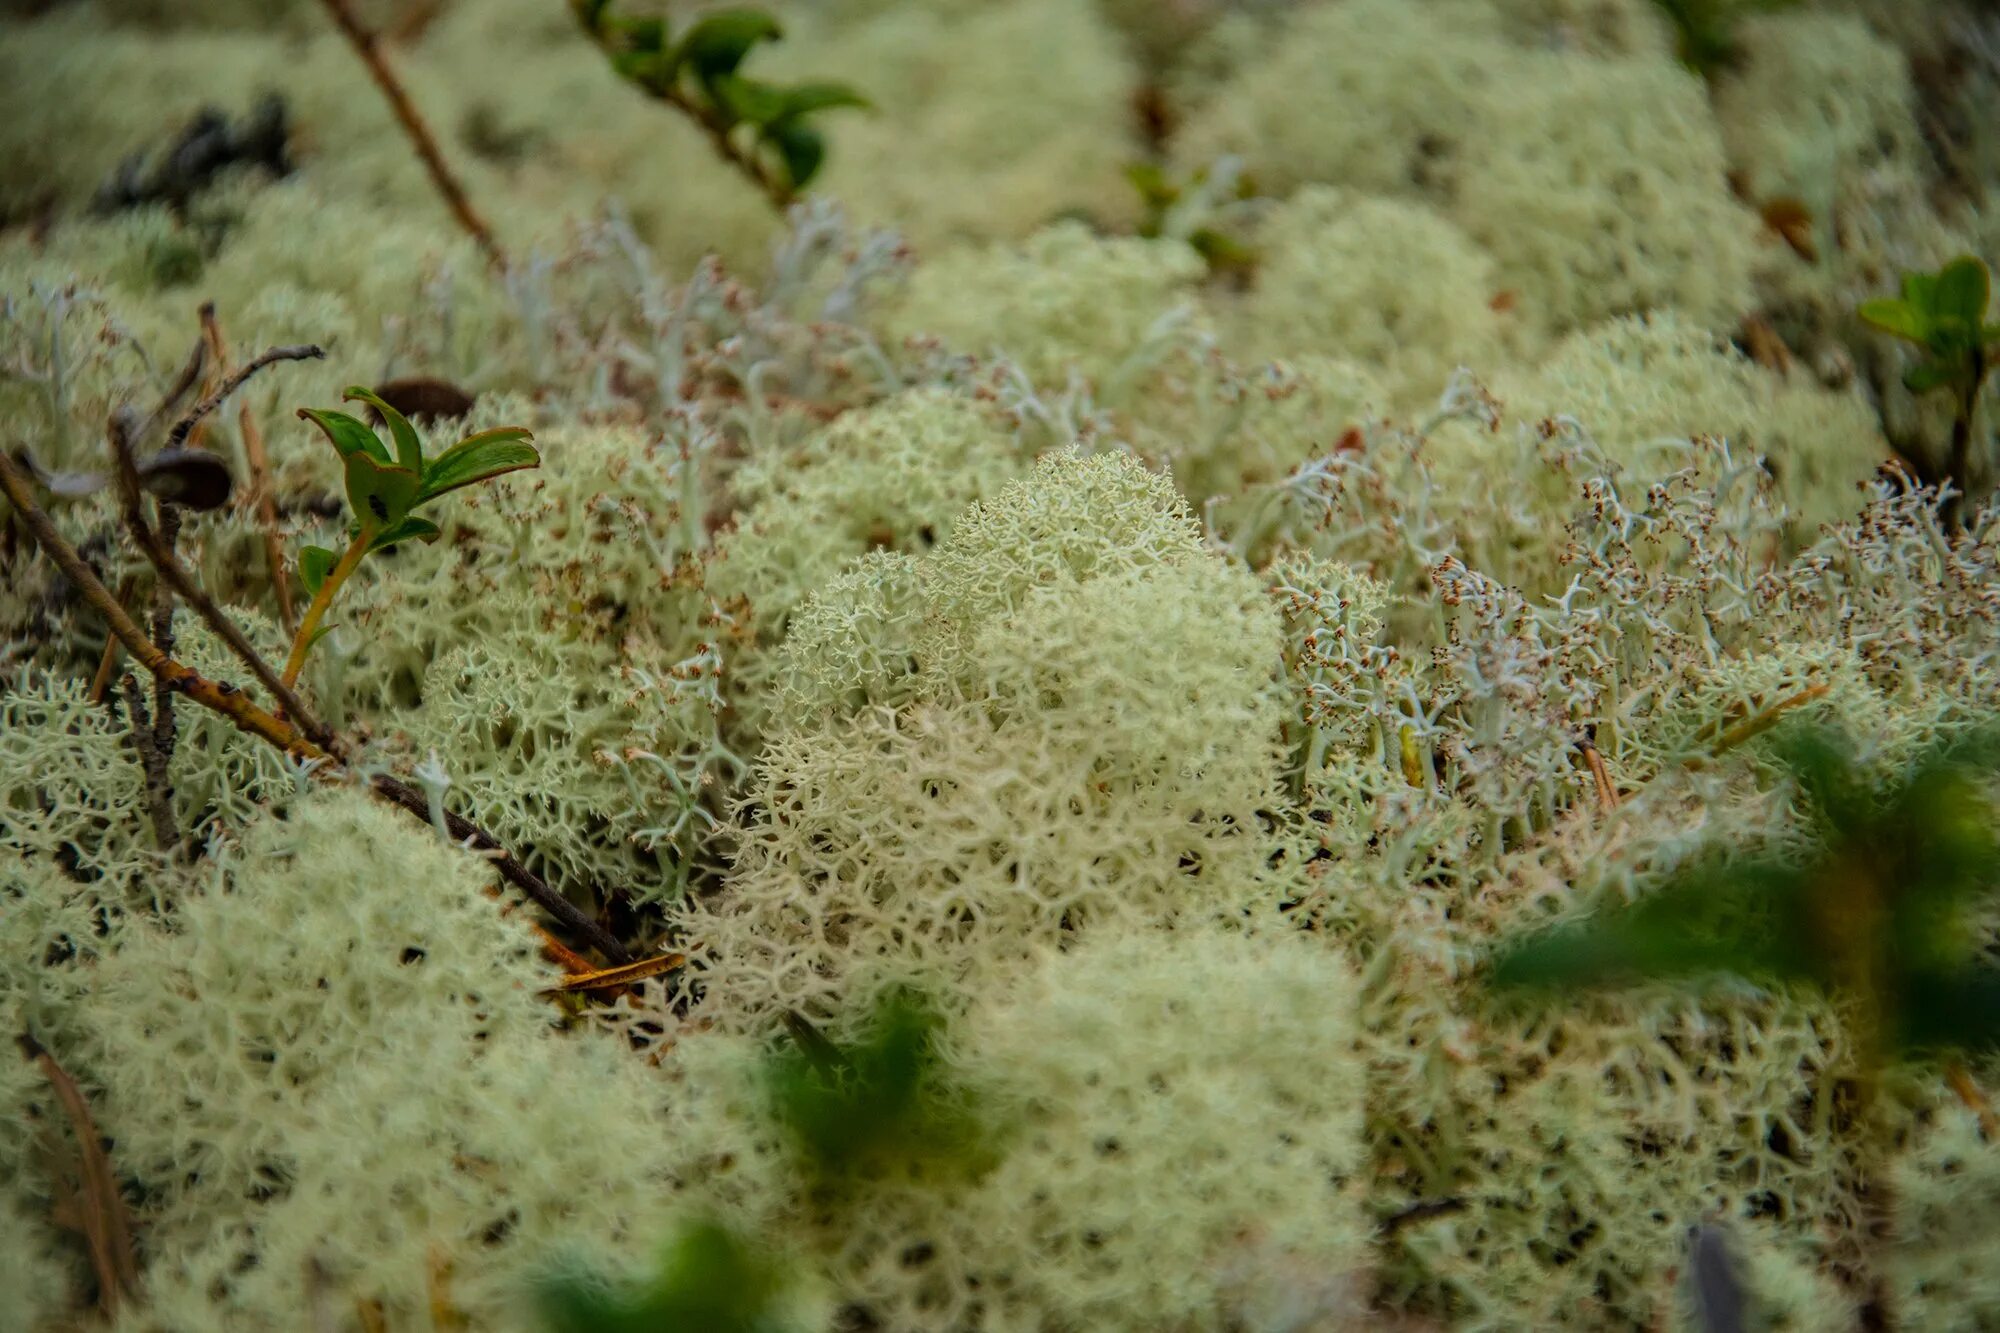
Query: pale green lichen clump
1175, 638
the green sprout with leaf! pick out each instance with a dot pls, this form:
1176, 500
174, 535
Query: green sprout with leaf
699, 74
1192, 211
1878, 917
384, 491
1944, 315
880, 1101
709, 1281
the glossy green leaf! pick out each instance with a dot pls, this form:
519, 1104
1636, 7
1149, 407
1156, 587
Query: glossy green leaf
802, 149
315, 563
475, 458
411, 529
348, 435
409, 450
381, 494
717, 44
1963, 290
1899, 318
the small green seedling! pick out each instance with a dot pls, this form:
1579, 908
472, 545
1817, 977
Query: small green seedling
384, 492
700, 73
1944, 315
710, 1281
881, 1101
1877, 917
1186, 212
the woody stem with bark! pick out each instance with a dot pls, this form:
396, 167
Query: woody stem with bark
233, 704
229, 701
366, 46
164, 562
316, 612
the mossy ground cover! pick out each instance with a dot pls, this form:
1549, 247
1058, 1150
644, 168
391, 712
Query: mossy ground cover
1057, 695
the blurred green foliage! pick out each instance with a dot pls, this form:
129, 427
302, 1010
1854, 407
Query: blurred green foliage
1877, 915
881, 1102
710, 1281
700, 71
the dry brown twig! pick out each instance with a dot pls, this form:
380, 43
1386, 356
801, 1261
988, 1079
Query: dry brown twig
106, 1226
258, 493
368, 48
286, 735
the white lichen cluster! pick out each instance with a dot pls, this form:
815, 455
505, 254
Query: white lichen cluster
1180, 675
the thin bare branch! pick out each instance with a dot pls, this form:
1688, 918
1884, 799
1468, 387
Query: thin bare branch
1607, 791
178, 435
258, 493
225, 699
465, 831
364, 43
143, 736
232, 703
169, 567
106, 1224
184, 383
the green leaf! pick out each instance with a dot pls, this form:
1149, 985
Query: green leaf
349, 437
315, 563
886, 1097
801, 147
1152, 184
709, 1280
717, 44
590, 13
1920, 290
651, 70
647, 34
1900, 318
1963, 290
747, 100
804, 99
1928, 375
1221, 251
475, 458
382, 494
409, 451
411, 529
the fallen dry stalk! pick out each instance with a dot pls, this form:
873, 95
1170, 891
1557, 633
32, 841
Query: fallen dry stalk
257, 494
107, 1228
365, 45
